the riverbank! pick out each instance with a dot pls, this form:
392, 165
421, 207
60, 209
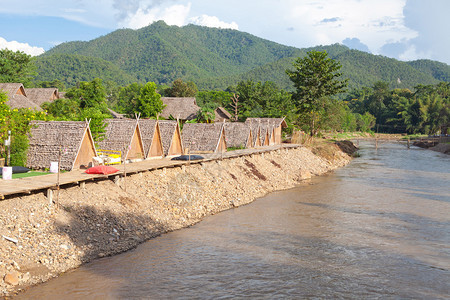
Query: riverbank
40, 241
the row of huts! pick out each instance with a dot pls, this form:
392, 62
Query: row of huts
71, 142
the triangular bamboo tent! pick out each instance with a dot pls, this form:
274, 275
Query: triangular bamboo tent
123, 135
171, 138
256, 135
204, 137
277, 123
238, 135
151, 137
72, 138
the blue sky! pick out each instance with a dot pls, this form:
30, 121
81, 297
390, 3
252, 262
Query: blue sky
403, 29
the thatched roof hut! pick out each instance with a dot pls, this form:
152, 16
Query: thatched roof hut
183, 108
41, 95
277, 123
17, 96
204, 137
125, 136
256, 135
238, 135
171, 138
151, 137
221, 114
72, 138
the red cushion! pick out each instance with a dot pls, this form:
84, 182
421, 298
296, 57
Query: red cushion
101, 170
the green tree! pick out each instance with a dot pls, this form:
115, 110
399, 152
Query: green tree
182, 89
16, 67
149, 101
89, 94
316, 76
128, 99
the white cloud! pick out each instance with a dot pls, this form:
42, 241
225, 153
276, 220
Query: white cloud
374, 23
172, 15
25, 47
212, 21
411, 53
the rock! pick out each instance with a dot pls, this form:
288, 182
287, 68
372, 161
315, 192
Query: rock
12, 278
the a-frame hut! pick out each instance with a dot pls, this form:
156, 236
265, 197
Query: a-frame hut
72, 138
17, 96
123, 135
256, 136
277, 123
41, 95
204, 137
171, 138
238, 135
151, 137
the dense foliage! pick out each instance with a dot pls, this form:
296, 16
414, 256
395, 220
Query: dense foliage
427, 110
16, 67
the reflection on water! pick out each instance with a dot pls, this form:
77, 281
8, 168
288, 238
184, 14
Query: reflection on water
377, 228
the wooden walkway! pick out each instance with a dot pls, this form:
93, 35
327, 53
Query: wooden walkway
45, 182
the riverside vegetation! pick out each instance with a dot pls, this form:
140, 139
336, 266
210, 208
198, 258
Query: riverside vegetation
103, 219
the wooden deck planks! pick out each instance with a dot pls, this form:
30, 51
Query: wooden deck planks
30, 184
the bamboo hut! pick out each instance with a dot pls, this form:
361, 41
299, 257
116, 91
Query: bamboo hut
221, 114
151, 138
277, 123
125, 136
41, 95
183, 108
238, 135
256, 135
70, 140
17, 96
171, 138
204, 137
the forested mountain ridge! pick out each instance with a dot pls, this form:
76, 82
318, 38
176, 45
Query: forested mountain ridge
215, 59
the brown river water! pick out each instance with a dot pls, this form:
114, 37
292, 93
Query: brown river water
378, 228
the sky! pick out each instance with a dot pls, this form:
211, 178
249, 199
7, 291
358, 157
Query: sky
402, 29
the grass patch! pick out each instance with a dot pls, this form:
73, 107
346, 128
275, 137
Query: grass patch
29, 174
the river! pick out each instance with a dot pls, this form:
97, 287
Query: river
378, 228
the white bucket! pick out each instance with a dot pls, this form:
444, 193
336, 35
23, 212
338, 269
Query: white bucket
53, 167
7, 173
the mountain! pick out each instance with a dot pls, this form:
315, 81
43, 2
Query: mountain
214, 59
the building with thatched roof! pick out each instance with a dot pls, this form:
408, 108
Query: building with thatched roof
204, 137
41, 95
183, 108
256, 135
125, 136
17, 96
277, 123
221, 114
72, 138
171, 138
151, 137
238, 135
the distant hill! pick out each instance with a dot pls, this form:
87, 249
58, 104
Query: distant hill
73, 68
214, 59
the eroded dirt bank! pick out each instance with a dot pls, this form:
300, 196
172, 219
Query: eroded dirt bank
105, 218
